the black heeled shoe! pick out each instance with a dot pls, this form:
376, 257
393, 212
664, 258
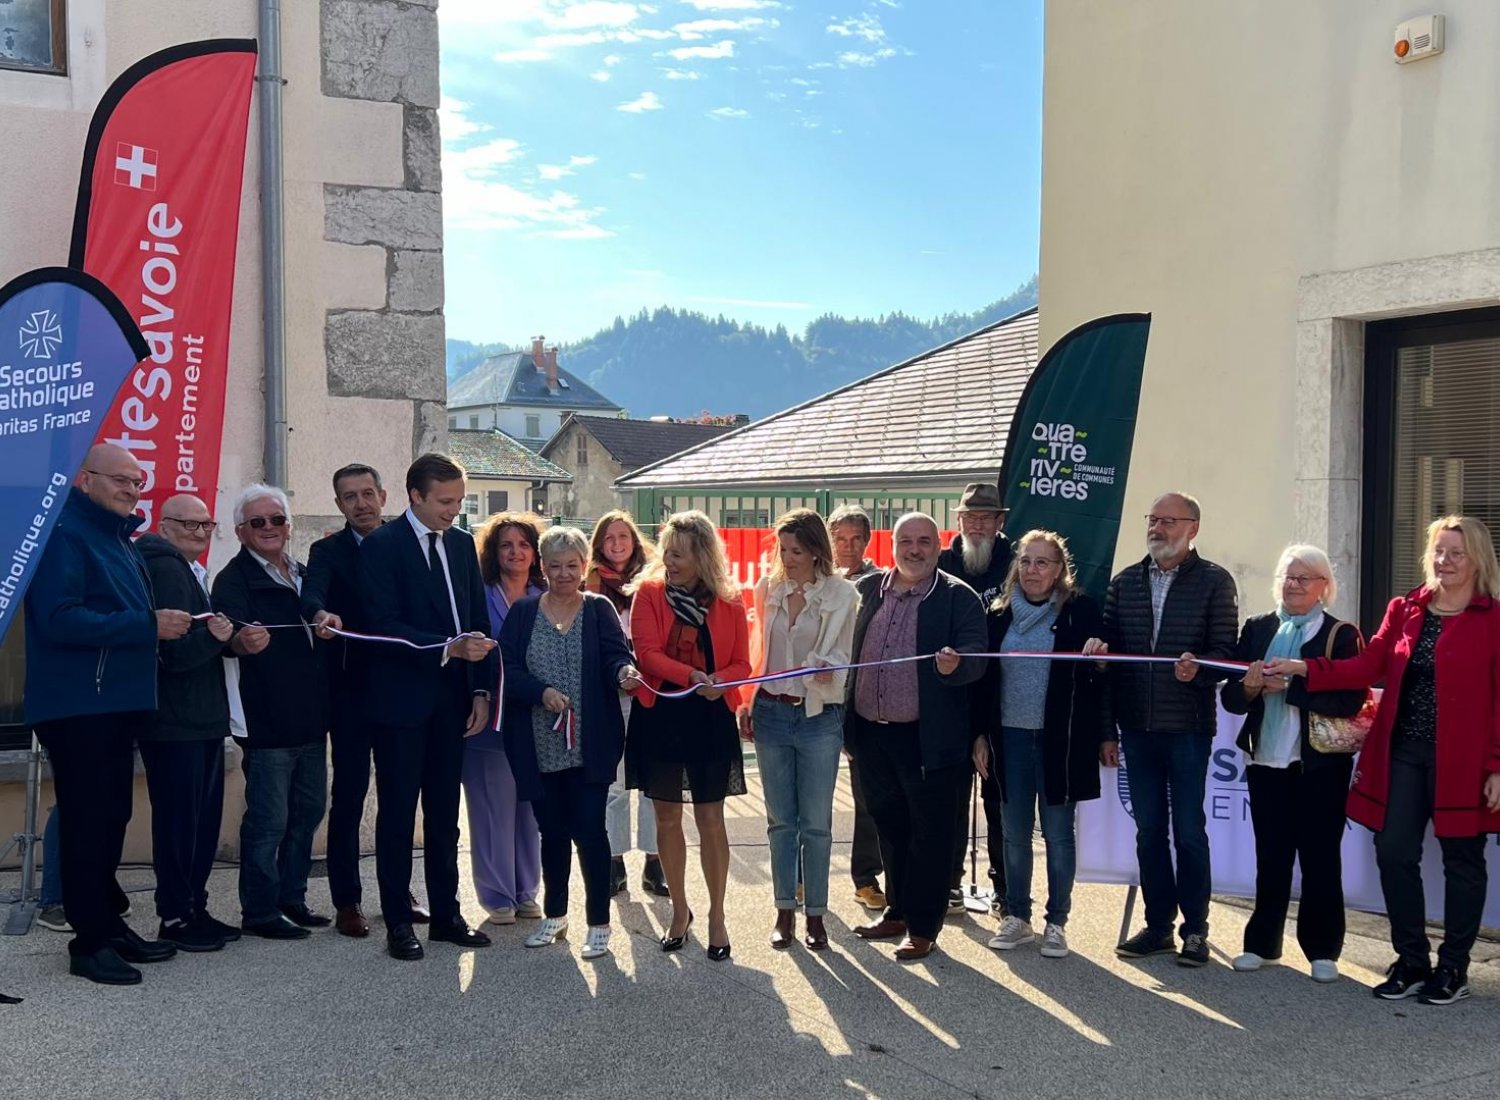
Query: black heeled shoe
718, 954
674, 943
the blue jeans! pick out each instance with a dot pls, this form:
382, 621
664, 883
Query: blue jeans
51, 864
799, 766
1166, 774
285, 791
1025, 787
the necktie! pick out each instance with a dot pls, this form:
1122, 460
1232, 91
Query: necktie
433, 564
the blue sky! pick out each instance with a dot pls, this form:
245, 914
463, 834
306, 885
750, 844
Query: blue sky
770, 160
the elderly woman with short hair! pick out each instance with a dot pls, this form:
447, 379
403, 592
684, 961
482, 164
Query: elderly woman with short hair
566, 660
1296, 792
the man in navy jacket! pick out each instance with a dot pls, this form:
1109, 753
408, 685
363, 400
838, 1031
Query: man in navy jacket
91, 634
420, 581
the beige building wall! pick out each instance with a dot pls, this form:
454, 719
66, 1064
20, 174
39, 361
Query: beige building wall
592, 492
1264, 180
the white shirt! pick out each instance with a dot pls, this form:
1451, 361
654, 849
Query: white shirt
423, 531
201, 572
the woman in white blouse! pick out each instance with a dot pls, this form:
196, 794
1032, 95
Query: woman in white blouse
803, 618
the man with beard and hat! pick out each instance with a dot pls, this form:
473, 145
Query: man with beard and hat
980, 557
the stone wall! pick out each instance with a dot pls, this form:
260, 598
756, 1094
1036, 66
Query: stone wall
386, 51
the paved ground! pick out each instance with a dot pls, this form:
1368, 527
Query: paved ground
331, 1017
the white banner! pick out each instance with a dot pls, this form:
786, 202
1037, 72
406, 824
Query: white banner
1106, 839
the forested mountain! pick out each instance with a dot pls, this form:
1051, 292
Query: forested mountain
680, 363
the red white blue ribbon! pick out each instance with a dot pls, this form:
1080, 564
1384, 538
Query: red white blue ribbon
567, 725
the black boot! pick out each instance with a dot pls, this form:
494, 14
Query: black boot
652, 879
617, 875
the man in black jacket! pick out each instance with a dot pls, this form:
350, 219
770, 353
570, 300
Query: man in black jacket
1172, 602
908, 725
331, 594
183, 750
980, 556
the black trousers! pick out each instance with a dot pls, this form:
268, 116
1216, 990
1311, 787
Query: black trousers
571, 811
352, 740
864, 853
425, 762
916, 812
93, 775
1298, 817
994, 845
1398, 853
186, 783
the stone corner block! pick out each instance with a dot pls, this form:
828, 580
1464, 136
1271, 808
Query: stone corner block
383, 216
429, 428
422, 150
416, 281
385, 354
381, 50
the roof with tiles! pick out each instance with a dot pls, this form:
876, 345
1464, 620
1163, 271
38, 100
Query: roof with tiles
637, 443
490, 453
940, 415
513, 378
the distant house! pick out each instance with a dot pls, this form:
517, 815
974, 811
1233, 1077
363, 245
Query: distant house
526, 395
503, 474
597, 450
907, 438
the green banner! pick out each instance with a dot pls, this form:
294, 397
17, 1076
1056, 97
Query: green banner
1068, 452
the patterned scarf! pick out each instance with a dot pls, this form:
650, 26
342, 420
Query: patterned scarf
610, 584
689, 605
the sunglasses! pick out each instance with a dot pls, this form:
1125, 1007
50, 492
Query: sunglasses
258, 522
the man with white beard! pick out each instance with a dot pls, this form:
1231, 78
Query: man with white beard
980, 557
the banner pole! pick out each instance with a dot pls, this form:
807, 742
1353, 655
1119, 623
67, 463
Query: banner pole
23, 912
273, 274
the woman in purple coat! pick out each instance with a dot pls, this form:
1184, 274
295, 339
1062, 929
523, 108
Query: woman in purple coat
503, 839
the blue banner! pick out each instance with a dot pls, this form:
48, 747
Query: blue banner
66, 346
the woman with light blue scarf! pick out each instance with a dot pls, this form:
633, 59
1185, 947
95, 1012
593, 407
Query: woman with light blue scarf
1296, 792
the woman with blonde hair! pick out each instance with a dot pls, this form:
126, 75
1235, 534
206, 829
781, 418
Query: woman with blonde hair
1296, 792
689, 630
804, 617
1431, 755
617, 554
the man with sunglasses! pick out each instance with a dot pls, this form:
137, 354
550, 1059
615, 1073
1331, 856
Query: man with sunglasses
183, 749
1163, 717
92, 630
278, 703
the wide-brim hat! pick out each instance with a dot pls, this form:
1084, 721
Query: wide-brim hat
981, 497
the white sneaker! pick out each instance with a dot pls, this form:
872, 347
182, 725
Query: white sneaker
1250, 962
552, 930
1054, 942
597, 944
529, 910
1014, 932
504, 915
1325, 970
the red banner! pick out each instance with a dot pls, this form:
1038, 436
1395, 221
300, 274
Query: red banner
157, 222
750, 549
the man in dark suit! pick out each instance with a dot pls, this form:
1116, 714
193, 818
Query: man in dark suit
419, 578
331, 595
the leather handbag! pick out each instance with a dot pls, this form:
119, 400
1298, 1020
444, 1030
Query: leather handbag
1327, 734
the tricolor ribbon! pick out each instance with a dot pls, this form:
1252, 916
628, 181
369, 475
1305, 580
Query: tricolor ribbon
1034, 655
567, 724
358, 637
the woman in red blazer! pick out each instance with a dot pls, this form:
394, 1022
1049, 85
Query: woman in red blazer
1434, 751
688, 625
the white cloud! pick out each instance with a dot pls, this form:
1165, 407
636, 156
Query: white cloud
639, 177
592, 13
729, 112
802, 82
646, 101
612, 60
718, 49
854, 59
528, 54
454, 121
569, 39
749, 303
727, 5
601, 76
702, 28
860, 26
554, 172
681, 74
476, 197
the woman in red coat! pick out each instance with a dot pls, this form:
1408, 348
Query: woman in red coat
1434, 752
689, 629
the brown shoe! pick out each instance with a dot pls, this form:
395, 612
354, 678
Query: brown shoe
871, 898
419, 912
883, 929
351, 922
786, 929
913, 948
817, 936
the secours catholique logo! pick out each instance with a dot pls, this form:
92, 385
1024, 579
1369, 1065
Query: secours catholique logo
40, 335
1060, 465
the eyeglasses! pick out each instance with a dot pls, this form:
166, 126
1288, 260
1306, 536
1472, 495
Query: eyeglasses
1454, 556
124, 481
1168, 522
1039, 563
196, 525
257, 522
1301, 580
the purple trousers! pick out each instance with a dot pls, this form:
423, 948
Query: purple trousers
503, 840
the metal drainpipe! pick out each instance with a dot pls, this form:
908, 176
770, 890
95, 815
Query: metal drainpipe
272, 274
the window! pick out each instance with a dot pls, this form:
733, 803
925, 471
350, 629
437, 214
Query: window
452, 423
533, 427
34, 36
471, 504
473, 422
583, 450
499, 501
1432, 441
746, 517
